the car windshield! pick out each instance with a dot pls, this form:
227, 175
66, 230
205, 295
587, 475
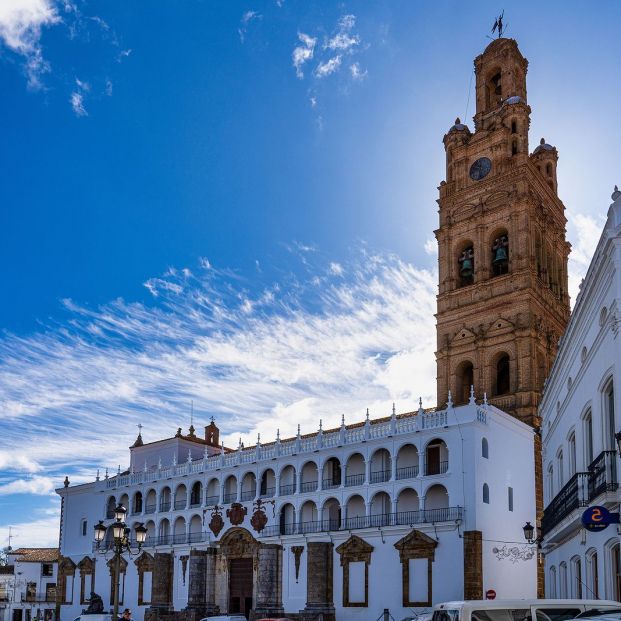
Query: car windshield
445, 615
501, 614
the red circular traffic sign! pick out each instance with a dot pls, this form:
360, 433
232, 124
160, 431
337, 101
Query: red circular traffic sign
490, 594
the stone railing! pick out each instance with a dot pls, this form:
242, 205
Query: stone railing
422, 420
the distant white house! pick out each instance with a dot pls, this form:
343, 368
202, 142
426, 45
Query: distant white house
399, 513
580, 419
28, 585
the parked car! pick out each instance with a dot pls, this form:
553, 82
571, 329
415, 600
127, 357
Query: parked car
591, 613
226, 618
519, 609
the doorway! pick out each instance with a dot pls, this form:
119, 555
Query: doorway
240, 586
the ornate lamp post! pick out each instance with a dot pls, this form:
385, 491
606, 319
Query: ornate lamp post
121, 534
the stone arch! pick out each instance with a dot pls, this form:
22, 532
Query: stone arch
355, 512
498, 245
436, 457
287, 480
381, 509
150, 501
124, 501
165, 498
501, 373
407, 461
212, 492
248, 486
309, 517
331, 514
110, 507
229, 493
151, 533
196, 494
268, 483
163, 531
181, 496
195, 529
354, 469
137, 504
309, 477
436, 501
464, 379
381, 465
408, 506
484, 448
287, 519
179, 530
465, 263
331, 473
493, 88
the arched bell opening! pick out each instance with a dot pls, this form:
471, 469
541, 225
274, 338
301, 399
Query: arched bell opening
501, 367
464, 377
465, 264
500, 252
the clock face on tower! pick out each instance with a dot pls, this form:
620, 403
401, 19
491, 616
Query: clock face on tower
480, 168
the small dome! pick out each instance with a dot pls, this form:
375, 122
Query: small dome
543, 146
513, 100
458, 127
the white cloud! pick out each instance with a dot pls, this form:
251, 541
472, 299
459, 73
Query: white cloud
77, 103
303, 53
246, 18
344, 40
21, 23
585, 232
40, 532
364, 339
431, 246
336, 269
328, 67
357, 73
38, 485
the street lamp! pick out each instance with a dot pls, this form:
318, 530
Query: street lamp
529, 532
121, 540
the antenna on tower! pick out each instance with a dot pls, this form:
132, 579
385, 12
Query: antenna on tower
192, 413
10, 537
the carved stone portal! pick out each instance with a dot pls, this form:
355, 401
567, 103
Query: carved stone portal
355, 550
416, 545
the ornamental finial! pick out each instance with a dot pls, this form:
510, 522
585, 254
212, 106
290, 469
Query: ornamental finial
471, 401
367, 413
449, 403
616, 194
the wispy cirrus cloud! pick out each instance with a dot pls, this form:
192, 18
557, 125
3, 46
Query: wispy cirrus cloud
246, 18
303, 53
343, 337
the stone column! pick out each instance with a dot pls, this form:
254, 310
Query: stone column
197, 590
268, 588
210, 582
319, 587
162, 581
473, 564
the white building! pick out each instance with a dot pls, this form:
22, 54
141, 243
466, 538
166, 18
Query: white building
397, 513
580, 462
28, 585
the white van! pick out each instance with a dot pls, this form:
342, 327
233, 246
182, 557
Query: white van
518, 609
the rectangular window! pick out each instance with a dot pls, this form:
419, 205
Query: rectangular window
357, 582
510, 497
31, 591
50, 592
419, 580
84, 528
47, 569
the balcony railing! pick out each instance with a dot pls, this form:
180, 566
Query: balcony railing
212, 500
165, 505
39, 597
150, 508
330, 483
436, 468
229, 497
267, 492
248, 494
380, 476
195, 502
401, 518
180, 504
354, 479
175, 539
572, 495
407, 472
308, 486
286, 490
603, 474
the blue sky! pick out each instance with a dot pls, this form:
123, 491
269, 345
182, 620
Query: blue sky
233, 203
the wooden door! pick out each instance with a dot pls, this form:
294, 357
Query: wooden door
240, 586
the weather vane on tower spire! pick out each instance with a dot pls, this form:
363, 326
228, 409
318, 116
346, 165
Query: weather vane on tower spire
498, 25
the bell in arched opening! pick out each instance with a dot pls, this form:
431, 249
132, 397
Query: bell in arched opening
466, 265
500, 255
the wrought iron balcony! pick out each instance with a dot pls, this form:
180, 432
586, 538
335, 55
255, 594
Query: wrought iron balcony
354, 479
308, 486
165, 505
150, 508
408, 472
175, 539
402, 518
436, 468
603, 474
212, 500
248, 494
572, 496
286, 490
267, 492
380, 476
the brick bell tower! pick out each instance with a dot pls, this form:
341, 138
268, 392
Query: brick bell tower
502, 301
